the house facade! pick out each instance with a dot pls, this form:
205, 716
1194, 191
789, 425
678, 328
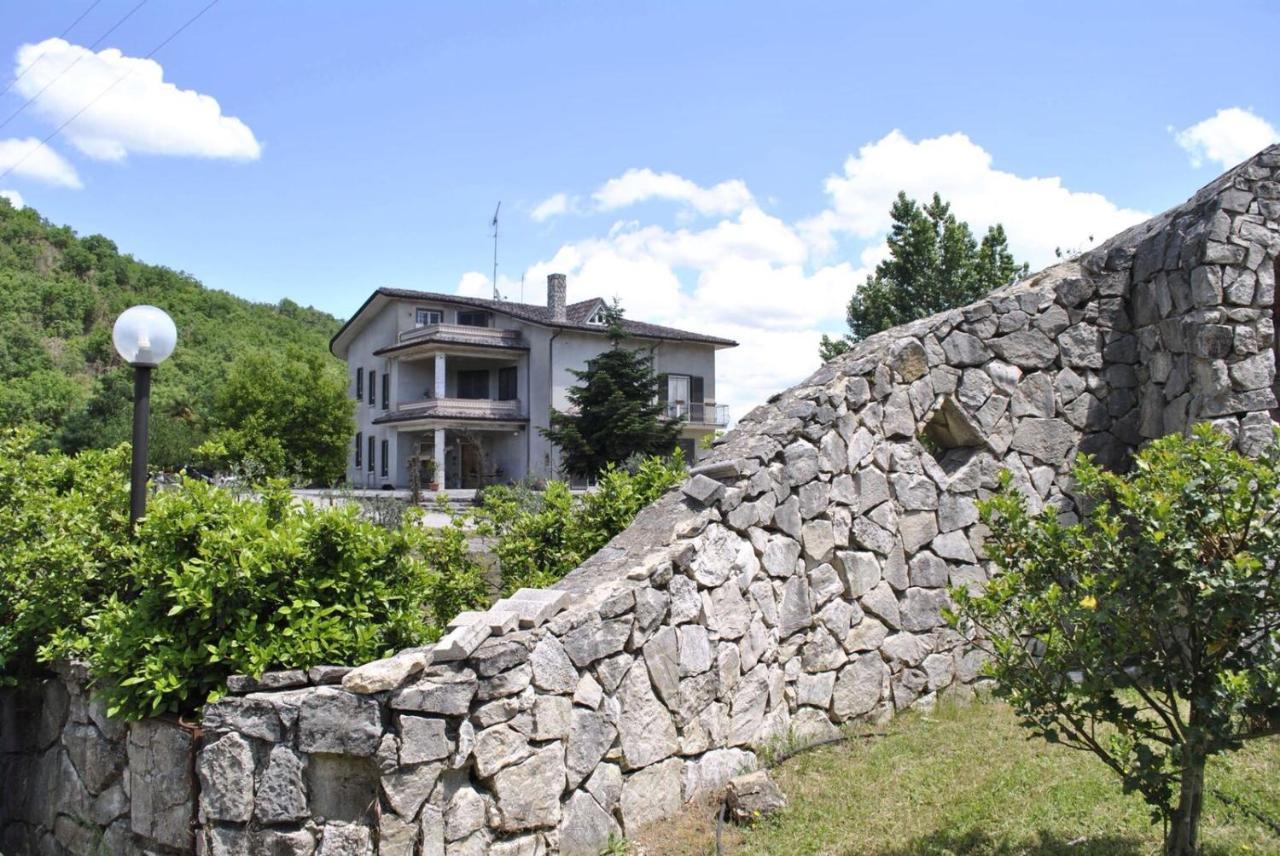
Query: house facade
466, 383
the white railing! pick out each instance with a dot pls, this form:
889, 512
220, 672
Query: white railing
699, 413
486, 408
427, 332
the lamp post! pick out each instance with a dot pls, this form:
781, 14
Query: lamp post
144, 337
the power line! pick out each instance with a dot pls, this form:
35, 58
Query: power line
63, 34
74, 63
112, 85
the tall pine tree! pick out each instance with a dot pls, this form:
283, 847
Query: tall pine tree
934, 265
616, 412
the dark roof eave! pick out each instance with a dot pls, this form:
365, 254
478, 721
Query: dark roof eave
391, 349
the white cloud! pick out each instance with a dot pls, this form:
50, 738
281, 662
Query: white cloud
1039, 214
27, 158
14, 197
553, 206
1227, 137
775, 286
142, 113
639, 185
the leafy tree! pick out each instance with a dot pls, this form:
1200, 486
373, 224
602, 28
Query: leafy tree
934, 264
1149, 633
289, 414
60, 294
616, 412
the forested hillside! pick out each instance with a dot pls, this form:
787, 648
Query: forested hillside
59, 295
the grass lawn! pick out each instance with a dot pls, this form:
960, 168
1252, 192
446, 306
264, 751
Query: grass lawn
966, 779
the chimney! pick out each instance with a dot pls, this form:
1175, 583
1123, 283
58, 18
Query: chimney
555, 295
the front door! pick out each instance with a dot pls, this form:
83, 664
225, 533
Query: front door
470, 464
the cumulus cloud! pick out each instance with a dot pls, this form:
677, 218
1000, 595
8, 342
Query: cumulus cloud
640, 185
1039, 213
27, 158
1227, 137
776, 285
142, 113
14, 197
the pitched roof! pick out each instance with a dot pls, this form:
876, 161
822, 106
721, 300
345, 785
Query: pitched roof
576, 315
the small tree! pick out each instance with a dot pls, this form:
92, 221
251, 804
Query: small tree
934, 264
288, 414
1149, 633
616, 412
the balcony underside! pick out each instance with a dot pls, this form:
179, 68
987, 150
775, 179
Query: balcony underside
445, 412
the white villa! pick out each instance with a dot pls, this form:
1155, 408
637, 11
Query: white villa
467, 382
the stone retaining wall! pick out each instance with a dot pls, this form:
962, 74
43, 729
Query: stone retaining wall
795, 583
78, 781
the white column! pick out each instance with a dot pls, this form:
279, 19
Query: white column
439, 446
440, 387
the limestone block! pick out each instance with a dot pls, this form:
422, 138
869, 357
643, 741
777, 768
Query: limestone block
586, 827
281, 795
422, 739
651, 794
646, 730
528, 794
553, 671
385, 674
857, 687
338, 722
591, 736
448, 694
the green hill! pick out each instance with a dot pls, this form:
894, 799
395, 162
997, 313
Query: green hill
60, 294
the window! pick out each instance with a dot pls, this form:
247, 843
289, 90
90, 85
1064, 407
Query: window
428, 316
359, 383
359, 449
599, 317
473, 318
383, 469
371, 453
373, 376
507, 376
473, 383
386, 391
678, 396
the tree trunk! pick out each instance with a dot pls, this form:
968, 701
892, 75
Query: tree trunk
1184, 831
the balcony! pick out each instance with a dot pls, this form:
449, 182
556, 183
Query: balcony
461, 334
459, 408
698, 413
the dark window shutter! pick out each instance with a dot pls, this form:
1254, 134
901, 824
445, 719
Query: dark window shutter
373, 386
663, 388
359, 384
372, 451
359, 449
507, 383
384, 455
386, 391
695, 390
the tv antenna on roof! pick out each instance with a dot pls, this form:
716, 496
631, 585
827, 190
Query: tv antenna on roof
494, 224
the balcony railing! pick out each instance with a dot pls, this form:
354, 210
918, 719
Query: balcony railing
461, 333
463, 408
698, 413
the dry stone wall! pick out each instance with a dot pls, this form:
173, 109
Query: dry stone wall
78, 781
794, 583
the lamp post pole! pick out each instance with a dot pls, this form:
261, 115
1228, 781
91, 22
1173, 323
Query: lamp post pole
141, 414
144, 337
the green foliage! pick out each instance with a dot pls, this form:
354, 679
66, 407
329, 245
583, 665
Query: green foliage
209, 585
1148, 634
616, 412
540, 537
60, 294
290, 415
63, 523
934, 265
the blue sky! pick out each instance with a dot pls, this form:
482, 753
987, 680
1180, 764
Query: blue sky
719, 166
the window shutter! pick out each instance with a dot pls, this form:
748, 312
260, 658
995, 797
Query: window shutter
386, 391
373, 386
359, 384
695, 390
663, 388
359, 449
372, 451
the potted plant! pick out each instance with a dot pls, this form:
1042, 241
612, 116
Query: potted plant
429, 469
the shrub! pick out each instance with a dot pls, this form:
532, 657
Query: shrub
540, 537
1149, 633
63, 527
220, 585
